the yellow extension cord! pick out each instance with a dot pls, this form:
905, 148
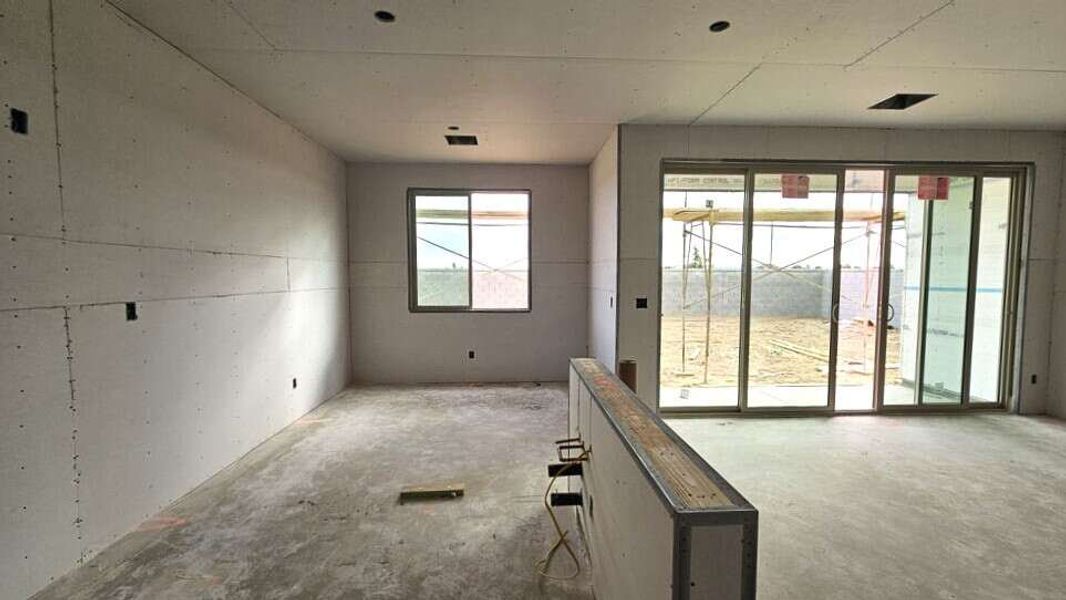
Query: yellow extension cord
543, 564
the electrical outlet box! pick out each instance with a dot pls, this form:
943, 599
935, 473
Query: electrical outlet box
20, 121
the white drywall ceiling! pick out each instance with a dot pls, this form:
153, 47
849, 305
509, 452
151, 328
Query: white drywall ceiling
545, 81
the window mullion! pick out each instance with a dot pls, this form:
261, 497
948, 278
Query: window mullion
469, 252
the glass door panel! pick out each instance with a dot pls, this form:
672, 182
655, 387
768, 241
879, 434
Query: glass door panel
996, 193
860, 277
702, 259
948, 275
906, 246
930, 261
791, 299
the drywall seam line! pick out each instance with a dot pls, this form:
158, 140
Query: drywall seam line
604, 59
168, 299
899, 34
160, 247
288, 276
925, 67
249, 23
55, 119
487, 56
73, 406
723, 96
133, 22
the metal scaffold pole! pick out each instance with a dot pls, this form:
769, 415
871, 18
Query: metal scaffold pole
709, 286
686, 242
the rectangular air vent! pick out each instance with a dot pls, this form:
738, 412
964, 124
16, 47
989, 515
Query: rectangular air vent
461, 140
901, 101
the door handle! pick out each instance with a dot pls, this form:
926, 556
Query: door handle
835, 313
891, 313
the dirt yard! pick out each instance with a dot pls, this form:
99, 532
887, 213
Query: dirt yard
784, 351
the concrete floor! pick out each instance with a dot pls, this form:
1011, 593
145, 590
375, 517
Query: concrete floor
960, 507
313, 512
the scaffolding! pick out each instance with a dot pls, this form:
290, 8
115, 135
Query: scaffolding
698, 226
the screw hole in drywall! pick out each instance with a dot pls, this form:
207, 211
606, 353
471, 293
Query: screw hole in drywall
294, 383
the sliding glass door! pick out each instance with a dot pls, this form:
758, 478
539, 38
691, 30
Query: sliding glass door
856, 313
703, 241
953, 253
936, 288
792, 283
836, 288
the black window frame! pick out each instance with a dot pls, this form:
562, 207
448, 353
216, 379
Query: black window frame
412, 250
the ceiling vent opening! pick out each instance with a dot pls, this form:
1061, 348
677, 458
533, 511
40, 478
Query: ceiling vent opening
901, 101
461, 140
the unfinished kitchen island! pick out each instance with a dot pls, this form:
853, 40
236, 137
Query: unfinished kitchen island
657, 520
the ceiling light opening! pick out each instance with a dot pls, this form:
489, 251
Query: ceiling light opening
461, 140
901, 101
720, 26
384, 16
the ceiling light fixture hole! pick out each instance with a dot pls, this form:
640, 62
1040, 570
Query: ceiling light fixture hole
720, 26
384, 16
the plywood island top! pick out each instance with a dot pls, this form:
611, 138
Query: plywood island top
687, 482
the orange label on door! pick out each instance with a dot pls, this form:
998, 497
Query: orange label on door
795, 186
931, 187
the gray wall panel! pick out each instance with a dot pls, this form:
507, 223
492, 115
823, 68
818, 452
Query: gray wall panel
225, 226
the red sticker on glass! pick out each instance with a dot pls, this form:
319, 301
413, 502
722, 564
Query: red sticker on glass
931, 187
795, 186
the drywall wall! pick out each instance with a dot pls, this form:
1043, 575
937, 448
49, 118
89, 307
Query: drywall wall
642, 148
391, 344
147, 180
1056, 395
603, 253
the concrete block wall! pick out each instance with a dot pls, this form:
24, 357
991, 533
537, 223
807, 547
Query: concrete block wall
803, 293
642, 148
145, 179
392, 344
603, 253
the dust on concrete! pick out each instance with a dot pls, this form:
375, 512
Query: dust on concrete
314, 513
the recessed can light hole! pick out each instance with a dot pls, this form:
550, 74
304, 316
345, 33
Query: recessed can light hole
719, 26
384, 16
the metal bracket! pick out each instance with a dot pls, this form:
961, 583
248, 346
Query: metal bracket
565, 469
570, 450
565, 499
